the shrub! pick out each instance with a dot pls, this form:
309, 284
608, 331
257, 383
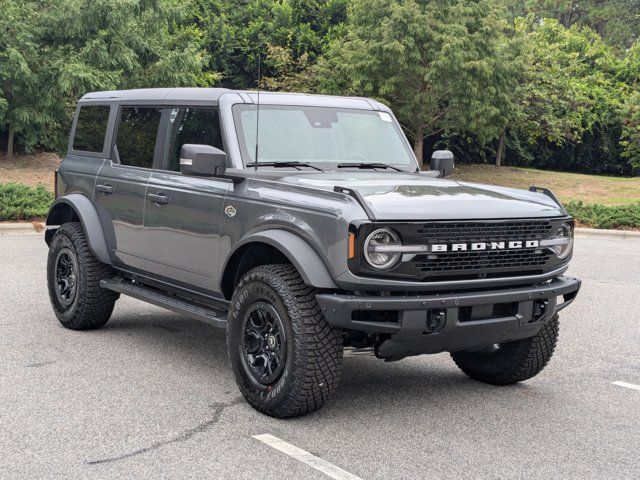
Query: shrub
21, 202
605, 216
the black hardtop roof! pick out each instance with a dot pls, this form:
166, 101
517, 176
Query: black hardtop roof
209, 96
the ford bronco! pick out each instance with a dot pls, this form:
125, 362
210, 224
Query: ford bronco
302, 224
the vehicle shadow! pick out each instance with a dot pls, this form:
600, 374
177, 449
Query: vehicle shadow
368, 386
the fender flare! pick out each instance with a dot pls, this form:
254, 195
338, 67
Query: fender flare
89, 219
306, 260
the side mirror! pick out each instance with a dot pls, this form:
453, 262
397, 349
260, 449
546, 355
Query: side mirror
202, 160
442, 160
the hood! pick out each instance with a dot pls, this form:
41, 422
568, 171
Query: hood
400, 196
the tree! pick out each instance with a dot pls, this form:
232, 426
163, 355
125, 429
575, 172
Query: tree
444, 65
24, 94
54, 51
288, 31
569, 88
617, 22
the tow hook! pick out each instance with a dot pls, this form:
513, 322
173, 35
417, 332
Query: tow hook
435, 320
540, 309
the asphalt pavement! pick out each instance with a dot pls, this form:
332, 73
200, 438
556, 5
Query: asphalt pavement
151, 395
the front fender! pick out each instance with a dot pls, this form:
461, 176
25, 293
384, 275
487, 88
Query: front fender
81, 206
308, 263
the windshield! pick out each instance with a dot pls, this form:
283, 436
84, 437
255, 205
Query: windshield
321, 135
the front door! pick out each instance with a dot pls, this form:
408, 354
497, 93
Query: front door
121, 187
183, 214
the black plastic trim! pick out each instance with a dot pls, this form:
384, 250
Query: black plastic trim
358, 198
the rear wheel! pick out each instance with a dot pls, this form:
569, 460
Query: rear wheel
73, 277
512, 362
285, 356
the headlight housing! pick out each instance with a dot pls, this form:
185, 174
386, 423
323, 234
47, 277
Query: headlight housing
377, 257
565, 236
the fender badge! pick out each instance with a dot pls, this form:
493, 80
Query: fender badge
230, 211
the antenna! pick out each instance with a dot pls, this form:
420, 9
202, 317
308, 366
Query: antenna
255, 161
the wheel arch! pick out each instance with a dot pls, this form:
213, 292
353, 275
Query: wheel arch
78, 208
275, 246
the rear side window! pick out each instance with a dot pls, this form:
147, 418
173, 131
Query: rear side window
91, 128
190, 125
137, 133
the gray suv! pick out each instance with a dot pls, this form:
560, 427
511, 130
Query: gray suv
303, 225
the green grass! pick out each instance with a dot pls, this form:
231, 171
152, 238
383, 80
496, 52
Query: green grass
569, 187
593, 200
21, 202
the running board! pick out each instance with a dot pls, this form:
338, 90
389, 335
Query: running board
215, 317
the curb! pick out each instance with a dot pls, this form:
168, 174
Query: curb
21, 228
602, 233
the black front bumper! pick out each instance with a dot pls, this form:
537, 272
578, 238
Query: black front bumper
433, 323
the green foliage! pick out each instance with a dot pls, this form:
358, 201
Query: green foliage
616, 21
569, 83
605, 216
54, 51
21, 202
237, 31
443, 65
551, 83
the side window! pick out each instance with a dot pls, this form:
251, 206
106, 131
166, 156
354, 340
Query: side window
137, 133
91, 128
190, 125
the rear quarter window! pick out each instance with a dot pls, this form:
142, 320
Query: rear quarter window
91, 128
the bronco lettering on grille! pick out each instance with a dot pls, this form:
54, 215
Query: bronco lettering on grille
479, 246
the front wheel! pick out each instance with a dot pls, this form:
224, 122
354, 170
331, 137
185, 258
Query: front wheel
511, 362
285, 356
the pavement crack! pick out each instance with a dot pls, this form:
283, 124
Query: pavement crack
217, 408
40, 364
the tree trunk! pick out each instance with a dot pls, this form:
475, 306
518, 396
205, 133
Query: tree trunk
418, 147
500, 151
10, 143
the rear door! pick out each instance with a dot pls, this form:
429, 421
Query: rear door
183, 214
120, 191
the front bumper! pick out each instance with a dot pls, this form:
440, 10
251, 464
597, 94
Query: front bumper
433, 323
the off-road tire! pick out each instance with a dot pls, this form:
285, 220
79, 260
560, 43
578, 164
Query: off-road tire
513, 361
314, 349
92, 305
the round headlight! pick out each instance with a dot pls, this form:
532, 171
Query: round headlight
378, 258
566, 232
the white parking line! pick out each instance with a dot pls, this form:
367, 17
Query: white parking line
305, 457
627, 385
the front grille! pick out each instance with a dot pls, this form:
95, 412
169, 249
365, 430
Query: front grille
455, 262
484, 232
471, 264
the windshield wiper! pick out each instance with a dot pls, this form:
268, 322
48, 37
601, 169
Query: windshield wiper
284, 165
368, 165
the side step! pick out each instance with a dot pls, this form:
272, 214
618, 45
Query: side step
215, 317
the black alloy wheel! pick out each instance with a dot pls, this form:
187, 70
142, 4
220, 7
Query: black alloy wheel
66, 277
264, 345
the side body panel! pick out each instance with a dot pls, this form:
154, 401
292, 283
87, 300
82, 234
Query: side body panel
182, 237
317, 218
120, 201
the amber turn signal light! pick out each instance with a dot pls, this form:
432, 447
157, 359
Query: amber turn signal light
352, 246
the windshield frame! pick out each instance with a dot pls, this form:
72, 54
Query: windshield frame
245, 157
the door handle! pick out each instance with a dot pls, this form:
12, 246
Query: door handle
158, 198
106, 189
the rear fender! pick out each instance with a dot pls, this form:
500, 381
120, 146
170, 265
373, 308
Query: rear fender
77, 207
